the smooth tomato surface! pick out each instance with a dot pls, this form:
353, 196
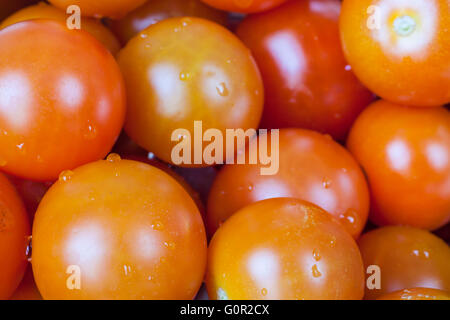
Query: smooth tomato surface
307, 81
132, 230
27, 289
407, 257
62, 99
158, 10
14, 233
182, 70
312, 167
45, 11
101, 8
244, 6
417, 294
400, 49
283, 249
405, 153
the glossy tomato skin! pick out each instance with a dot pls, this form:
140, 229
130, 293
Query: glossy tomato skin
68, 97
407, 258
246, 6
14, 233
176, 75
101, 8
283, 249
308, 83
312, 167
399, 49
404, 152
45, 11
158, 10
417, 294
133, 231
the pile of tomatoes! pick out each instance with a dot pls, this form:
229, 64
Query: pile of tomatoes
92, 205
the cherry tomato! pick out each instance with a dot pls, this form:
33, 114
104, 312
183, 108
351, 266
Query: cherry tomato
158, 10
417, 294
312, 167
308, 83
176, 74
126, 229
283, 249
405, 153
27, 289
101, 8
400, 49
14, 232
407, 258
62, 99
244, 6
45, 11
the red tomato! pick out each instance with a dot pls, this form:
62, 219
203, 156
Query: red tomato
101, 8
182, 70
283, 249
27, 289
158, 10
308, 83
400, 49
62, 99
407, 258
244, 6
127, 229
417, 294
14, 232
45, 11
405, 153
312, 167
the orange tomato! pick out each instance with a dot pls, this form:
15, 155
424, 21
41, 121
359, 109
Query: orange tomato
283, 249
407, 258
158, 10
244, 6
62, 99
312, 167
400, 49
405, 153
27, 289
14, 233
416, 294
45, 11
175, 75
125, 229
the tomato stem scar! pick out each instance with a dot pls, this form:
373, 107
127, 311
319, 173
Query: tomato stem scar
404, 26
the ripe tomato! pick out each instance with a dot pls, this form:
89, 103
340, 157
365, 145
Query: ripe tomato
400, 49
27, 289
14, 232
407, 258
130, 230
62, 99
45, 11
307, 81
244, 6
283, 249
158, 10
405, 153
101, 8
175, 75
416, 294
312, 167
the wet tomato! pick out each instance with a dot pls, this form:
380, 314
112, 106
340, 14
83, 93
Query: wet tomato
407, 258
244, 6
67, 111
176, 75
308, 83
283, 249
405, 153
400, 49
14, 233
119, 229
312, 167
158, 10
416, 294
45, 11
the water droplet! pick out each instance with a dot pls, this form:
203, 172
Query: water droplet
326, 183
349, 216
20, 146
170, 245
143, 35
66, 175
264, 291
333, 242
348, 67
184, 76
222, 89
91, 132
316, 255
186, 21
315, 271
113, 157
151, 156
158, 225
